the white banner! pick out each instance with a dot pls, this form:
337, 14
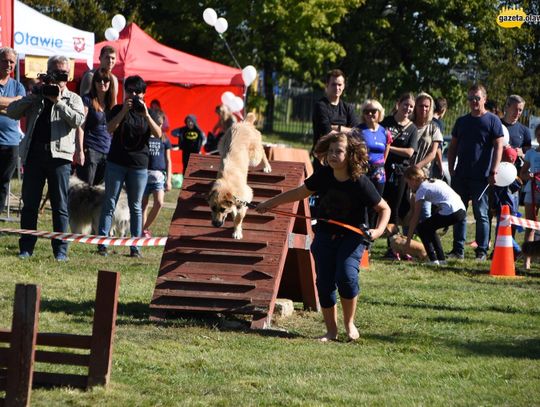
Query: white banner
37, 34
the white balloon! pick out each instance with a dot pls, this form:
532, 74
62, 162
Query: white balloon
506, 136
118, 22
210, 16
236, 104
506, 174
221, 25
112, 34
249, 73
227, 97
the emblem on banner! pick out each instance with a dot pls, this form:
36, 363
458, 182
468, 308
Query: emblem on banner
78, 44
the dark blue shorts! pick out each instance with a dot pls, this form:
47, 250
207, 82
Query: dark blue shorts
337, 261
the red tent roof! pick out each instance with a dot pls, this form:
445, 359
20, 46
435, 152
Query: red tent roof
139, 54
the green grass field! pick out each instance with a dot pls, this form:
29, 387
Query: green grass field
429, 336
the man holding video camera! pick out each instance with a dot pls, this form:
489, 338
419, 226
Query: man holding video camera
53, 113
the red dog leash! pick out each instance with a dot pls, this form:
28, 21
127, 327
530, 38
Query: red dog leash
363, 232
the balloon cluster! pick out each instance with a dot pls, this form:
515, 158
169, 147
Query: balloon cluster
210, 17
232, 101
118, 23
249, 73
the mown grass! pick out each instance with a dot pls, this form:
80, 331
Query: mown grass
429, 336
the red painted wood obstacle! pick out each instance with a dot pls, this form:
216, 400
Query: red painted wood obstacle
205, 270
17, 373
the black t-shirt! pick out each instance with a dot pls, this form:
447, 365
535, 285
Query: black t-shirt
402, 136
129, 146
42, 128
344, 201
326, 114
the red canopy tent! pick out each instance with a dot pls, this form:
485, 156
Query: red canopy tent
184, 84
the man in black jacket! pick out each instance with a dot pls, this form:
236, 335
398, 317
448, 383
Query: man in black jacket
330, 112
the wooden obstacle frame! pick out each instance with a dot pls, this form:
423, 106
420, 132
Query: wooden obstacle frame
204, 271
17, 373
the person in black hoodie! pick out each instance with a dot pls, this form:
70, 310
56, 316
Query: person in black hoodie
190, 139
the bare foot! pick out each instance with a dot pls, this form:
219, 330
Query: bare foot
352, 333
328, 337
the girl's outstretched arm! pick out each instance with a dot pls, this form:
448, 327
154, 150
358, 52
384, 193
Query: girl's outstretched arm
296, 194
383, 210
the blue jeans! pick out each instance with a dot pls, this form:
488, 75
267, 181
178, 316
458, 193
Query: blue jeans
337, 261
93, 170
8, 163
470, 189
41, 167
135, 179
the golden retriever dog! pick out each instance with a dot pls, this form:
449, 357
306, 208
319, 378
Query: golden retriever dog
239, 148
398, 242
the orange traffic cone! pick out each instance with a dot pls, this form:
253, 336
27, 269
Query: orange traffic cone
502, 264
364, 262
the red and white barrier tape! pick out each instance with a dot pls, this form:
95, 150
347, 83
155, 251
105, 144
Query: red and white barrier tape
92, 239
531, 224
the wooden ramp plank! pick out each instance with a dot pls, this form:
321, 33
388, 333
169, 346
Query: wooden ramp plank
204, 270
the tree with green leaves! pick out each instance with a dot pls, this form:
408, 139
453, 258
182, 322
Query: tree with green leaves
282, 38
438, 46
385, 47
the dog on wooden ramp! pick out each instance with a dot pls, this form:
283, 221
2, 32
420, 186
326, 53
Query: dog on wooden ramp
240, 148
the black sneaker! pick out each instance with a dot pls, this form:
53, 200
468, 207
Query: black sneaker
102, 251
24, 255
135, 253
61, 257
455, 255
481, 257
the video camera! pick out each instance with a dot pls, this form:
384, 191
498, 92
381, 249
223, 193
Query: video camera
138, 104
49, 81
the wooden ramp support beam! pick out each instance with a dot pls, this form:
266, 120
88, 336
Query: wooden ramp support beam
103, 329
16, 377
205, 271
19, 373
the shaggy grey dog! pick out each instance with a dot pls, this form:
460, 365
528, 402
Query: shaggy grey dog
84, 207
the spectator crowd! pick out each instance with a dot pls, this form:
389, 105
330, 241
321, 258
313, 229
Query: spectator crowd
126, 146
411, 137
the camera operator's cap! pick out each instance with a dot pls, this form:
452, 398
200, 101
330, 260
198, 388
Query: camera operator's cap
509, 154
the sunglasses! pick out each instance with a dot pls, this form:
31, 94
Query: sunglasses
370, 111
102, 80
474, 98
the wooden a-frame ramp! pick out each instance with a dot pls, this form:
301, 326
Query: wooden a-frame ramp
204, 270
